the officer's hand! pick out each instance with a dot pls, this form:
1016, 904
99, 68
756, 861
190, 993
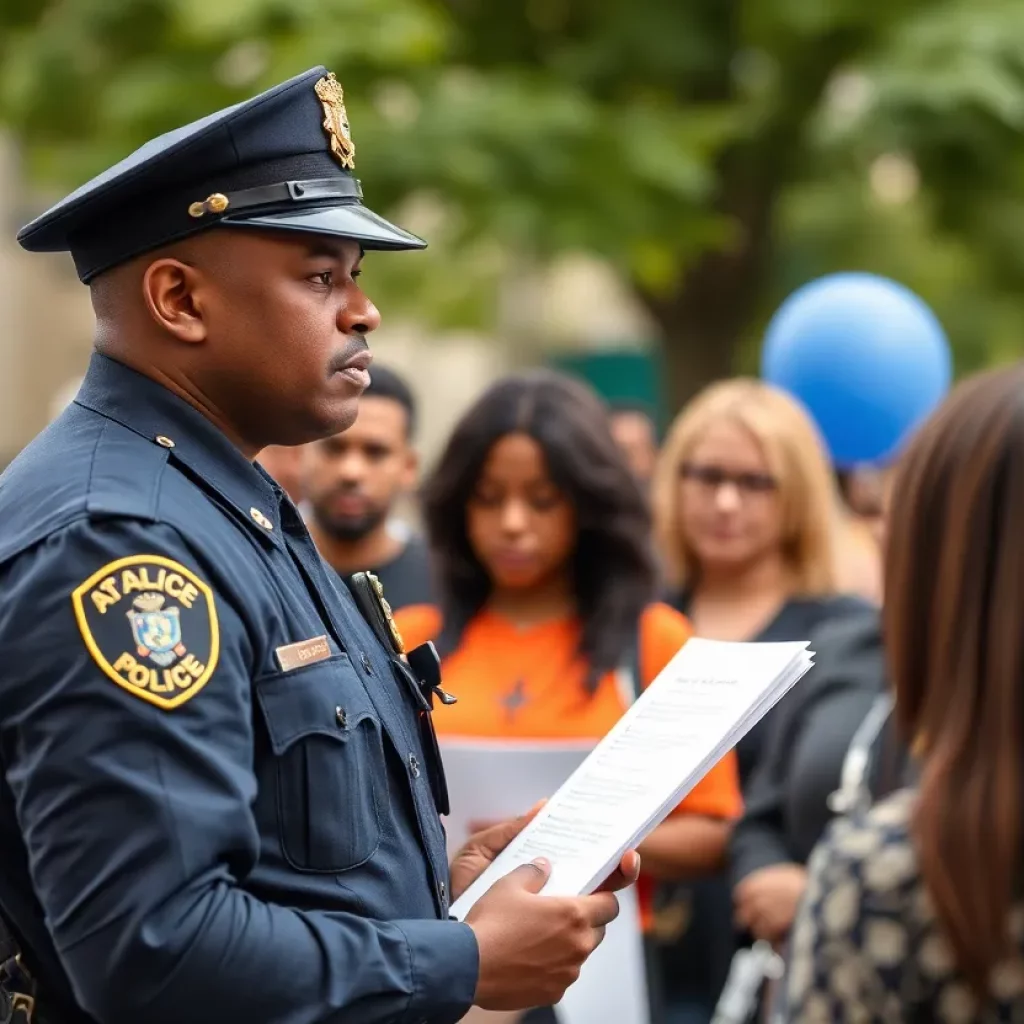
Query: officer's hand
532, 947
481, 848
484, 845
624, 875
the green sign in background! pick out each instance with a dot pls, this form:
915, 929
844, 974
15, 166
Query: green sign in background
618, 375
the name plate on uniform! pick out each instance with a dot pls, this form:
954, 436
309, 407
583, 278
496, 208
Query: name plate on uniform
305, 652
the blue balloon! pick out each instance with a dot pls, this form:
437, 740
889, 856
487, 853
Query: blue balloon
865, 355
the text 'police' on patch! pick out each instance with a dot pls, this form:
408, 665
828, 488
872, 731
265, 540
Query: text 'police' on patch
151, 626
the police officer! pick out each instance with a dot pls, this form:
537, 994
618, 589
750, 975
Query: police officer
220, 789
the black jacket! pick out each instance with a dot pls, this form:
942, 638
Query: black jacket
786, 801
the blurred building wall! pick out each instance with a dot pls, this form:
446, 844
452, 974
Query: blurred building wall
45, 320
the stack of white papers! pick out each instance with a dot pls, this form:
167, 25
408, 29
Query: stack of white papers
496, 779
706, 699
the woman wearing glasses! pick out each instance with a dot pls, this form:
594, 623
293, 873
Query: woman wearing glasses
748, 522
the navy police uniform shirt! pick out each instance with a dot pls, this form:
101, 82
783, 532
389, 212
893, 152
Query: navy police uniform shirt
216, 791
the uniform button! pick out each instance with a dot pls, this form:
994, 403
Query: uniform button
366, 663
442, 891
260, 518
414, 766
341, 718
164, 441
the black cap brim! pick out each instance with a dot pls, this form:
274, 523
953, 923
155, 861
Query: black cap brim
351, 221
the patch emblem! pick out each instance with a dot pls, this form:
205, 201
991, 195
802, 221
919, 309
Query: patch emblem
332, 99
151, 625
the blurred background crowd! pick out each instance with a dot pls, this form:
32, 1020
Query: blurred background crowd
628, 394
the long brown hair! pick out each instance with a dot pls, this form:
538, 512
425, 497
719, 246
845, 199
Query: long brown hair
954, 628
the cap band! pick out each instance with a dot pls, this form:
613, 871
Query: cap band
309, 191
174, 214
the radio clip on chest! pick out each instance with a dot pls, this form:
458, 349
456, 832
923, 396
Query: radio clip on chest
419, 670
423, 661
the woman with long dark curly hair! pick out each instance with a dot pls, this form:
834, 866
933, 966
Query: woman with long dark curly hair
548, 623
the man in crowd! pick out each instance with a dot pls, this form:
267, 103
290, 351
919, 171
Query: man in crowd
352, 483
635, 433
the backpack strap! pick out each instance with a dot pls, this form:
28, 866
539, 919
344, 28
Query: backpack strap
853, 793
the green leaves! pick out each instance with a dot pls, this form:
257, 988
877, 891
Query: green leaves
758, 143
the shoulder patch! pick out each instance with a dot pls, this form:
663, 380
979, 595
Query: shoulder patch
151, 625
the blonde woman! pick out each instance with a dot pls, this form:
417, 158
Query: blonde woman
747, 518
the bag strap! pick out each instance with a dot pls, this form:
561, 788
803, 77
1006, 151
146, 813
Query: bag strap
741, 994
852, 793
752, 967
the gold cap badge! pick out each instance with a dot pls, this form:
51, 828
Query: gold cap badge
331, 96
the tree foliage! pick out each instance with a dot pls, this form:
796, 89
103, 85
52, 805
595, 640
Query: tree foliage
718, 152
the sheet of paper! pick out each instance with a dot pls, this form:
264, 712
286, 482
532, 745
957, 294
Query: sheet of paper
708, 697
490, 780
612, 985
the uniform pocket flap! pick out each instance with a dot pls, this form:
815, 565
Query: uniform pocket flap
326, 699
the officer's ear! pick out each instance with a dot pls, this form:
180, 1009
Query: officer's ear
169, 288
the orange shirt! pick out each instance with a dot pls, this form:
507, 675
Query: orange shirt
521, 684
